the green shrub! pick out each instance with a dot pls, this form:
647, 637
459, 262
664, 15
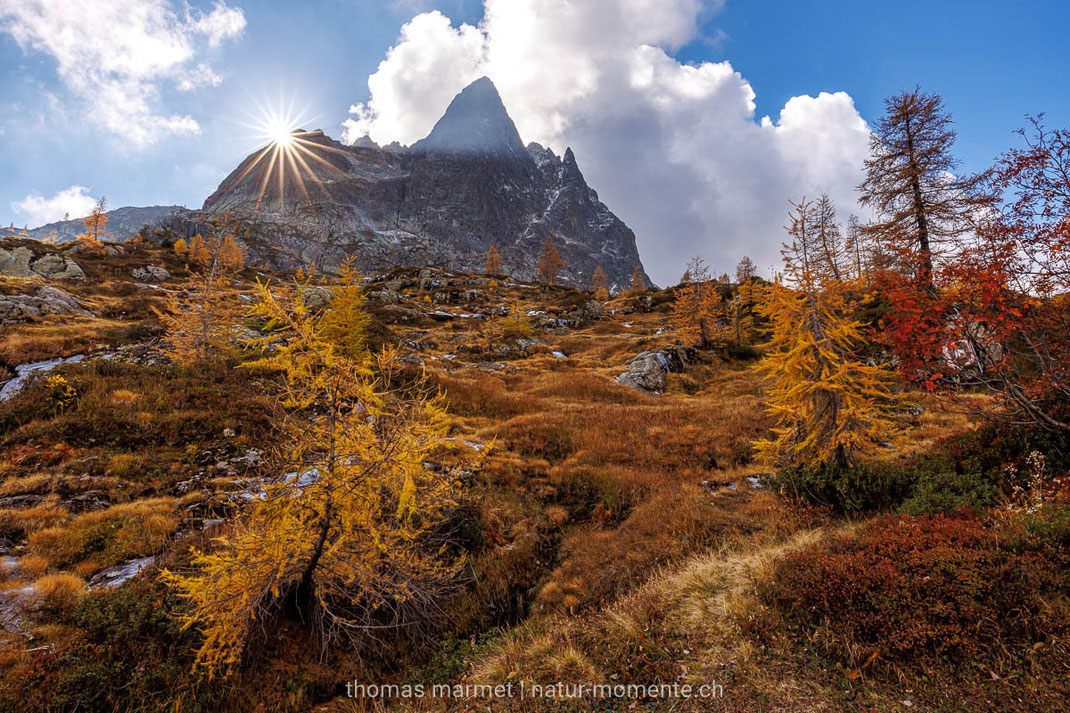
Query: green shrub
742, 352
124, 652
976, 470
945, 492
862, 488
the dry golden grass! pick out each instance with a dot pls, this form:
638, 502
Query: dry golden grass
32, 565
28, 520
125, 465
95, 540
684, 624
485, 396
55, 336
584, 387
599, 563
60, 591
18, 485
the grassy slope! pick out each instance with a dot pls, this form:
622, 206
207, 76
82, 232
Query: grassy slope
614, 534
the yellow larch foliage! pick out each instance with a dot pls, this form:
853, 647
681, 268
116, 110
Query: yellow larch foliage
830, 405
600, 284
200, 326
493, 265
638, 281
341, 539
516, 324
698, 311
96, 224
345, 325
550, 263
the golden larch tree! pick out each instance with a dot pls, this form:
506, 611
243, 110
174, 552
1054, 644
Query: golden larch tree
638, 281
202, 325
493, 264
345, 542
698, 310
95, 224
830, 405
550, 263
600, 284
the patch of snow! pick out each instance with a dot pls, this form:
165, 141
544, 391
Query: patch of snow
114, 577
560, 355
302, 479
23, 372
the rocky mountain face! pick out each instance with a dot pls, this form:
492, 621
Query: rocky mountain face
123, 224
471, 183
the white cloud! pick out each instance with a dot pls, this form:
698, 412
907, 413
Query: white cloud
674, 149
116, 54
74, 202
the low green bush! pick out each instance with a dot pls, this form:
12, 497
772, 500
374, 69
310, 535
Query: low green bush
862, 488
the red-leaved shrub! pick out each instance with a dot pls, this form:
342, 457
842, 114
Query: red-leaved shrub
904, 585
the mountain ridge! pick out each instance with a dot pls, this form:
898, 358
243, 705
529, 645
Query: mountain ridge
123, 223
442, 202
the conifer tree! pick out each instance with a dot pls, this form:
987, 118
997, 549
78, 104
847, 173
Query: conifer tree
201, 326
600, 284
911, 182
745, 270
638, 281
698, 311
739, 314
96, 224
830, 252
830, 405
550, 263
345, 542
493, 265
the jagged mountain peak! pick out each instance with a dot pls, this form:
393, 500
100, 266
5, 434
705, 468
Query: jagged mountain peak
475, 123
469, 184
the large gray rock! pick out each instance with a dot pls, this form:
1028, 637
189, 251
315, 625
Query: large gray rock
16, 262
317, 298
645, 373
647, 370
57, 267
47, 300
20, 262
385, 296
150, 273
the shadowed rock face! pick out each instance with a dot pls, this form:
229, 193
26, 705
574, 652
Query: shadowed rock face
470, 184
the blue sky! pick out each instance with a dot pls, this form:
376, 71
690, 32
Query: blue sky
993, 62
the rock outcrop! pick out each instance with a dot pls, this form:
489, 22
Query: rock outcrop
647, 370
150, 273
20, 261
471, 183
46, 300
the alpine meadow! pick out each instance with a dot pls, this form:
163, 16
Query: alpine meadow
594, 355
